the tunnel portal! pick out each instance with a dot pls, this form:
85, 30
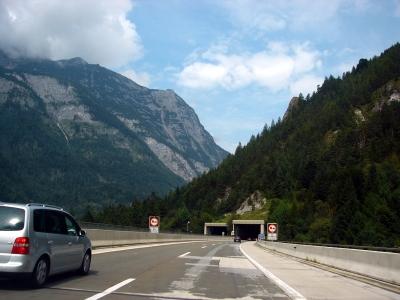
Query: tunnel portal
245, 229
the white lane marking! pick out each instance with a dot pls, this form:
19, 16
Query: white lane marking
207, 258
202, 265
203, 247
292, 293
184, 254
110, 290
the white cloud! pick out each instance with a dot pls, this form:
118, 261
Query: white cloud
171, 69
345, 67
142, 79
345, 52
202, 75
97, 31
259, 15
273, 69
305, 59
306, 85
316, 14
268, 16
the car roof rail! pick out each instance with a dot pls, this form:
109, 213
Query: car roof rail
44, 205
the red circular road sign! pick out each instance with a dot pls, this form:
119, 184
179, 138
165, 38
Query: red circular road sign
153, 221
272, 228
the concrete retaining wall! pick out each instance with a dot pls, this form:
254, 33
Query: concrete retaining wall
380, 265
108, 238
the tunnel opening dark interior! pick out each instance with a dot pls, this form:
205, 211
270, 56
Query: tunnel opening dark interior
218, 230
247, 231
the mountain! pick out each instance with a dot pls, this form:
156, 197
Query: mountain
73, 133
328, 172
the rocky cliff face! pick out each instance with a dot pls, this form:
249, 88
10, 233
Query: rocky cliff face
255, 202
88, 101
293, 102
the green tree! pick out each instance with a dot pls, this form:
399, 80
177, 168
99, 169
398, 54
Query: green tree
88, 216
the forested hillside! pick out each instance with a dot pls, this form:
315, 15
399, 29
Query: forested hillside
330, 169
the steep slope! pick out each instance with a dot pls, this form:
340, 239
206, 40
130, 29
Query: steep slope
162, 119
330, 170
74, 133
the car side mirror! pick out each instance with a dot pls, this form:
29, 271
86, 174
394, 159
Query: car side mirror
82, 233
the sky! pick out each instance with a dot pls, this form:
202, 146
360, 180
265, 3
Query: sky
237, 63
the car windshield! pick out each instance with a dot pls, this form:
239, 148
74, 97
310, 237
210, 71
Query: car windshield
11, 218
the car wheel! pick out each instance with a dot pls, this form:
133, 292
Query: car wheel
40, 273
85, 266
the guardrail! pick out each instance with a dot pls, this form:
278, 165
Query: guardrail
90, 225
108, 235
111, 238
379, 265
380, 249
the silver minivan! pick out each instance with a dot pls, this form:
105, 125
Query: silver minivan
38, 240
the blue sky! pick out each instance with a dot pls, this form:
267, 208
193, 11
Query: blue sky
236, 63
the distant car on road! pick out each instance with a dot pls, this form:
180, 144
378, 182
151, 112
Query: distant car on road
237, 239
38, 240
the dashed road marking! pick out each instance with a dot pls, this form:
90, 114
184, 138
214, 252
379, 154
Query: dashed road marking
184, 254
111, 289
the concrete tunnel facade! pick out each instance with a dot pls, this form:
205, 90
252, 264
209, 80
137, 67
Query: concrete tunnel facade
245, 229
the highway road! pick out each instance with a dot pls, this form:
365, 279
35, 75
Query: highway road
194, 270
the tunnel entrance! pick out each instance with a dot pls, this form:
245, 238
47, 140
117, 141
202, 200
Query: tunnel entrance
220, 229
248, 229
245, 229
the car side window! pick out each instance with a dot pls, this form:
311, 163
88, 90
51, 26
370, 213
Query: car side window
72, 227
54, 222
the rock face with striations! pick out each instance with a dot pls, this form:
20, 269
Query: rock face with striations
87, 102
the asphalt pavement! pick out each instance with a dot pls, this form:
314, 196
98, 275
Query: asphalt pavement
304, 280
199, 270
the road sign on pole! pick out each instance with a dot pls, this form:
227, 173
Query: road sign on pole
272, 231
154, 223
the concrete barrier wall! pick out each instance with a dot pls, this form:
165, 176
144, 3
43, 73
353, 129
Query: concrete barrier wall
109, 238
380, 265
